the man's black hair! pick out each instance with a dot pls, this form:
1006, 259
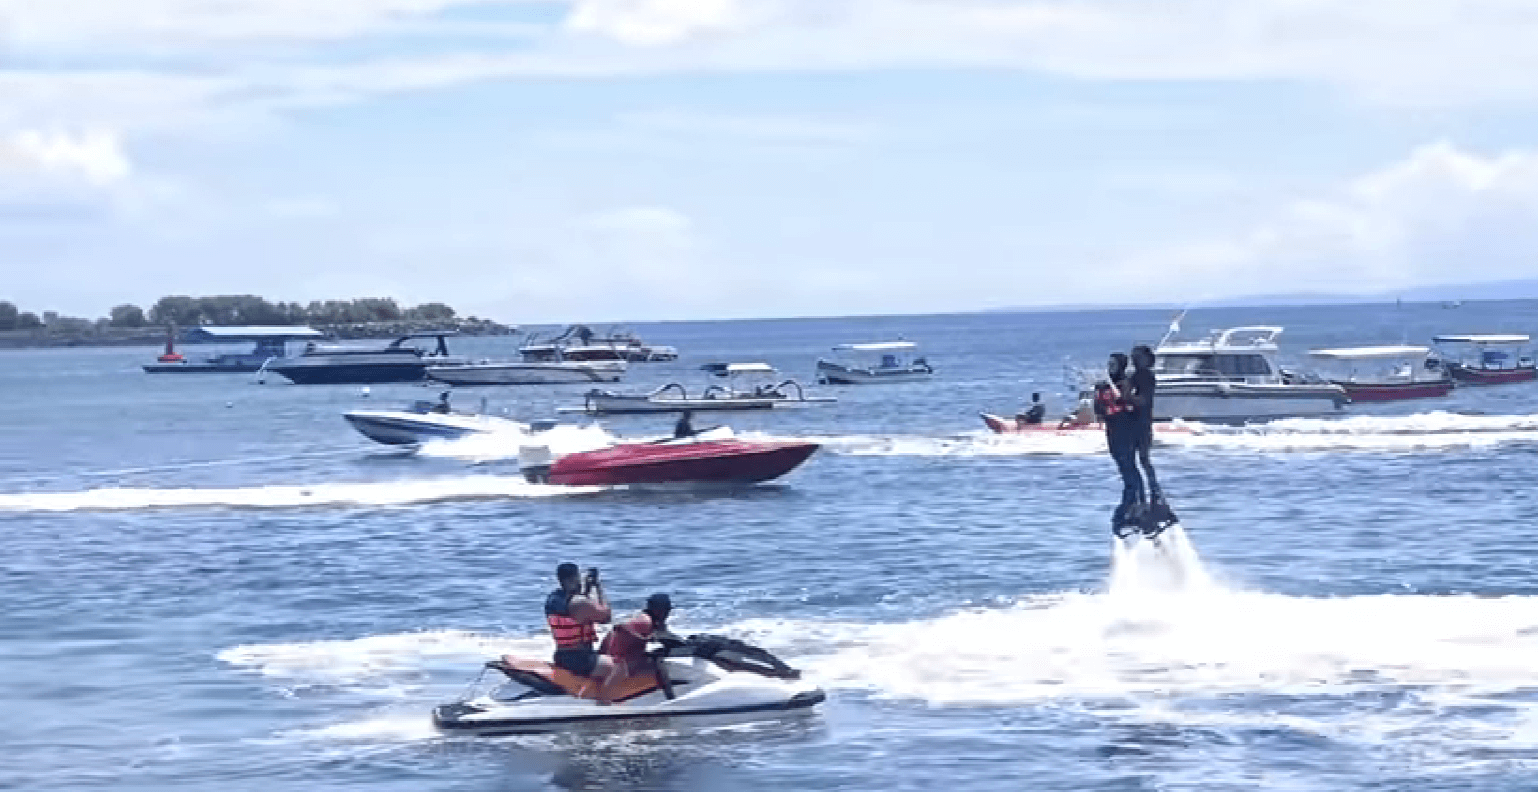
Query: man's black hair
567, 571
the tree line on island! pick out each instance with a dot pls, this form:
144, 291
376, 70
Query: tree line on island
233, 309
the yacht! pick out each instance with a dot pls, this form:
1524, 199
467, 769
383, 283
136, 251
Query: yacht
368, 362
580, 343
269, 343
1232, 377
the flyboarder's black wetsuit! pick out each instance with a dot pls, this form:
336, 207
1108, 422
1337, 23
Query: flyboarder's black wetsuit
1142, 385
1121, 439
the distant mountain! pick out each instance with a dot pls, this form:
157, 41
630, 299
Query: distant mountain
1526, 289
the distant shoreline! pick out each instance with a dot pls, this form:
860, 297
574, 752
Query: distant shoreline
43, 338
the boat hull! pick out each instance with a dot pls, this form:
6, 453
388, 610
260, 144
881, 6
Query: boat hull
361, 374
400, 428
706, 462
1395, 391
619, 404
1468, 375
201, 368
1237, 402
837, 374
527, 373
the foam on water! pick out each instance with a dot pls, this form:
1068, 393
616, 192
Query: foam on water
1164, 642
1434, 431
504, 443
380, 493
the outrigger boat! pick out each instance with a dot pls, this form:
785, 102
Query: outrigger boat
1498, 358
895, 363
709, 675
270, 344
749, 386
1385, 373
493, 372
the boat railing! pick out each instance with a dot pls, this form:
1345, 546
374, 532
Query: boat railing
780, 389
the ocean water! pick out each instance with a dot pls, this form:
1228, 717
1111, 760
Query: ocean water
211, 583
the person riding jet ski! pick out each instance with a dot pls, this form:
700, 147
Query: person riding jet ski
626, 645
571, 611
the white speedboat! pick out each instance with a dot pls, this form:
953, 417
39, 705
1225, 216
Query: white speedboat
493, 372
423, 421
1232, 377
579, 342
882, 361
749, 386
710, 676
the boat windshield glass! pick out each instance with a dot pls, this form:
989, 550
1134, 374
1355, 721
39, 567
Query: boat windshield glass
1210, 365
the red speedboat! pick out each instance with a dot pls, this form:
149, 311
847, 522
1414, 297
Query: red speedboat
1010, 426
714, 457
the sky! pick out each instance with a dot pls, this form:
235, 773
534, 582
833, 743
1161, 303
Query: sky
541, 161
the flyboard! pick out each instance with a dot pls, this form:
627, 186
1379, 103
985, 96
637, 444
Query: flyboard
1149, 520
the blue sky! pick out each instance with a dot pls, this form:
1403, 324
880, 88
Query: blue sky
591, 160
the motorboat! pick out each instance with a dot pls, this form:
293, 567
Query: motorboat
425, 420
579, 342
1001, 425
748, 386
366, 363
1385, 373
710, 676
881, 361
270, 342
492, 372
1232, 377
715, 456
1488, 359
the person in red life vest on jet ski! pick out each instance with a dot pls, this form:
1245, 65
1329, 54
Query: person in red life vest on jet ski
626, 644
572, 611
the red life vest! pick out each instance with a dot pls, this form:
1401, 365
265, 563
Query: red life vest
1106, 398
568, 632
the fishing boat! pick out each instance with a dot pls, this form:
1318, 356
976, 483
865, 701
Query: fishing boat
1232, 376
748, 386
881, 361
271, 343
1385, 373
1488, 359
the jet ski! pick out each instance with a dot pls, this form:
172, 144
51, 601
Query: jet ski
710, 675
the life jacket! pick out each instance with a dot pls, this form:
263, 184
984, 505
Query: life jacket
1106, 403
568, 632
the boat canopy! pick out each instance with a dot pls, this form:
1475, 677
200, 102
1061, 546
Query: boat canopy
1493, 338
878, 346
255, 333
1366, 352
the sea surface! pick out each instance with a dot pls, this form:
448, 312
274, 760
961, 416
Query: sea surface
210, 583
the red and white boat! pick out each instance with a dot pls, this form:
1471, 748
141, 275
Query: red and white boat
711, 457
1001, 425
1385, 373
1492, 359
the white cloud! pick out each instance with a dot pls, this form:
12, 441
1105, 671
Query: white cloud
1442, 215
95, 157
